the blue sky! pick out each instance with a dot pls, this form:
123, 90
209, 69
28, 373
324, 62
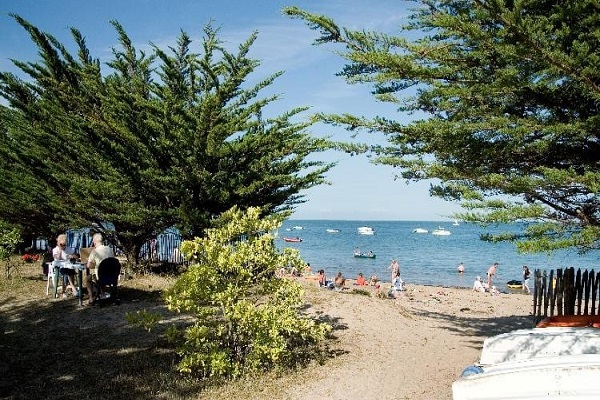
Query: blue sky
359, 190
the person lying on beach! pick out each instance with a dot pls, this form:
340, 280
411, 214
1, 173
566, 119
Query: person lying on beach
360, 280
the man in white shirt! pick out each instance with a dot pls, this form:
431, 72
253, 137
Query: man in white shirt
99, 253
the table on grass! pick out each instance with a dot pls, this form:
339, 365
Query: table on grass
57, 265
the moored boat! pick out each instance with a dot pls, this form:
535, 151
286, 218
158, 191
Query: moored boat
366, 230
370, 254
292, 239
420, 230
549, 363
440, 232
332, 230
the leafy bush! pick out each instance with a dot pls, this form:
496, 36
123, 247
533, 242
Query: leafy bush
248, 320
9, 240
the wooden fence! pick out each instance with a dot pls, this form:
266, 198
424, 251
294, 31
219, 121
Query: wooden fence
565, 292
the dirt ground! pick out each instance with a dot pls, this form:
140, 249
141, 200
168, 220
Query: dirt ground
412, 347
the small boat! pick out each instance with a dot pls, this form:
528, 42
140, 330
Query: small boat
366, 230
332, 230
358, 254
420, 230
456, 223
440, 232
297, 228
292, 239
549, 363
514, 284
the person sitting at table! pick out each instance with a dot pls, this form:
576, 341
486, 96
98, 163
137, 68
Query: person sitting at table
100, 252
59, 254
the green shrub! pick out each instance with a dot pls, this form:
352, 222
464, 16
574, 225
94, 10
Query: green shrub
248, 320
9, 240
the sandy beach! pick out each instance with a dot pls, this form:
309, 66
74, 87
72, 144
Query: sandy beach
412, 347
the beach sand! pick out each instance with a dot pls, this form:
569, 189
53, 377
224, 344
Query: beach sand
412, 347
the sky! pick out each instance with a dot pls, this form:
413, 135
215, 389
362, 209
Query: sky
358, 190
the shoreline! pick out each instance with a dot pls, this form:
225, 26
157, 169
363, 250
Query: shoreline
411, 347
350, 284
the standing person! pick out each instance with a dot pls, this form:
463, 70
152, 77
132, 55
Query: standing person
490, 274
461, 268
322, 279
526, 274
395, 267
59, 253
100, 252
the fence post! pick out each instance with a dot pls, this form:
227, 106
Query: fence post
537, 290
578, 291
595, 280
586, 286
569, 288
559, 291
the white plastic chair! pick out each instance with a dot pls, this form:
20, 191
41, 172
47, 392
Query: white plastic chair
50, 280
51, 276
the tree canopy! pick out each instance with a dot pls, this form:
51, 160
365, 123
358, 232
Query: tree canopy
170, 138
511, 92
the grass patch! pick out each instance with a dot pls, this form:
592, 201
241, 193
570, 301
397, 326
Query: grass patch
56, 349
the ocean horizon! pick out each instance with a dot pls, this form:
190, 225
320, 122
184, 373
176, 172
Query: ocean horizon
424, 258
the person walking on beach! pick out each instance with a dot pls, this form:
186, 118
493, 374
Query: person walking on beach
526, 274
490, 274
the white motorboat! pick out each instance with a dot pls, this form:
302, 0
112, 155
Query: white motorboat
549, 363
332, 230
559, 377
366, 230
440, 232
456, 223
297, 228
420, 230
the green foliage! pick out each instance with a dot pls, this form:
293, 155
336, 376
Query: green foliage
247, 319
10, 237
144, 319
511, 101
145, 154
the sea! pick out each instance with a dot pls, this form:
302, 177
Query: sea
424, 258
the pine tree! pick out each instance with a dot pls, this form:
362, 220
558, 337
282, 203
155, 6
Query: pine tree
160, 140
511, 95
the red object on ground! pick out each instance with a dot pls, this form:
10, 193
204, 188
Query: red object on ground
570, 321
